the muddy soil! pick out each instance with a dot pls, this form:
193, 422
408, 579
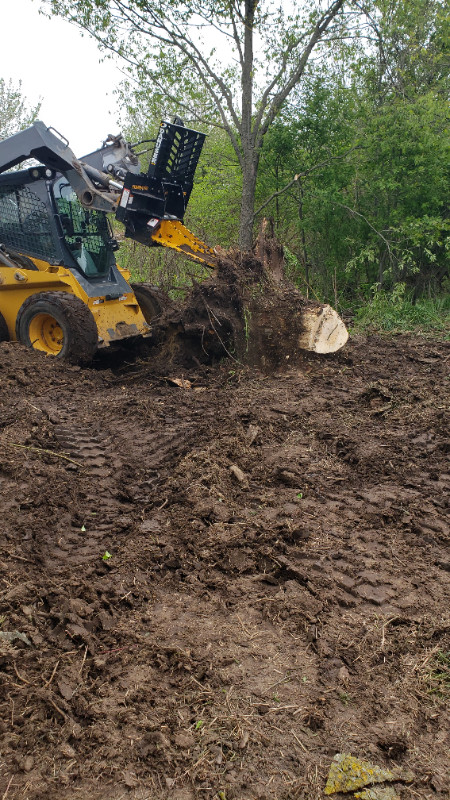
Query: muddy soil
207, 590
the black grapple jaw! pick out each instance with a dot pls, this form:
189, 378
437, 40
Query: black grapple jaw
164, 192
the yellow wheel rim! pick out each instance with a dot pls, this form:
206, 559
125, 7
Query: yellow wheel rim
46, 334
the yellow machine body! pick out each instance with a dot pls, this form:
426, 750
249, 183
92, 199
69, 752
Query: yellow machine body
61, 291
115, 319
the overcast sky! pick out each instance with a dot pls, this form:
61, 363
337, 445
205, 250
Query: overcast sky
56, 63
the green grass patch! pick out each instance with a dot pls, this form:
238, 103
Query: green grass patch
437, 676
394, 312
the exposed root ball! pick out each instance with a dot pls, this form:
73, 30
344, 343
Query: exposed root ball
247, 310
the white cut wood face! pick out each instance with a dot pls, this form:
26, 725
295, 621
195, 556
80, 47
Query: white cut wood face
324, 330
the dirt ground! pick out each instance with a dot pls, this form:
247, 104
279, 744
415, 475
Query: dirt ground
209, 590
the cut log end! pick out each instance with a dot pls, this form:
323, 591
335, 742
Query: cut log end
323, 330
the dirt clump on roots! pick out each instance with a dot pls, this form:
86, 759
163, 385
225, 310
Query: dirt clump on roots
247, 311
210, 587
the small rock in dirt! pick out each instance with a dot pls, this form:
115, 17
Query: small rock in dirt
184, 740
67, 750
379, 793
11, 636
252, 434
28, 764
238, 474
348, 773
66, 690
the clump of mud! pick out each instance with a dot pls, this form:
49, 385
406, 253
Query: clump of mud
246, 310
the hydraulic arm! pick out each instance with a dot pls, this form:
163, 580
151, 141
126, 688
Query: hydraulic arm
151, 205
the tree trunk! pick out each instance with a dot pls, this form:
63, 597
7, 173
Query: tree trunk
269, 250
249, 158
303, 235
249, 173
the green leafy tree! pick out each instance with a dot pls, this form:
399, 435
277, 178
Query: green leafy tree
357, 165
15, 114
230, 64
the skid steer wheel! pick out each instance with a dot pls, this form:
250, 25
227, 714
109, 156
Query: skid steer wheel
58, 324
4, 333
152, 301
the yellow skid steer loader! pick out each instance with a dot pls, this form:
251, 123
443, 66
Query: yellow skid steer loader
61, 290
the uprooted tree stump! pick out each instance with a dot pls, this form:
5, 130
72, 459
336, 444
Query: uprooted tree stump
248, 310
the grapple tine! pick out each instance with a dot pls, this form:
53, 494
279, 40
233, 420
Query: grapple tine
173, 234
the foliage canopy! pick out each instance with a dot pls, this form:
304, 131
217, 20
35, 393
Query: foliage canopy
331, 119
228, 64
15, 113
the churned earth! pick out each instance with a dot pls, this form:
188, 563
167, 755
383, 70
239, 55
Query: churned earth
214, 580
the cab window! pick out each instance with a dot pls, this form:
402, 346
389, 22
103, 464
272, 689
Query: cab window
87, 233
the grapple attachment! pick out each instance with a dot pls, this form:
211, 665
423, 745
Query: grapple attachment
164, 192
175, 158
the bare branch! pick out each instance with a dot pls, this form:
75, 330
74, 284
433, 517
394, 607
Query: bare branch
303, 174
176, 38
180, 40
191, 112
211, 24
355, 213
236, 38
320, 27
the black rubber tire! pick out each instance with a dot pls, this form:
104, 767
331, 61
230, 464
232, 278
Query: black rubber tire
152, 301
4, 333
80, 335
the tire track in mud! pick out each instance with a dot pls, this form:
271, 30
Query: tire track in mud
83, 447
151, 447
106, 458
263, 607
80, 536
350, 556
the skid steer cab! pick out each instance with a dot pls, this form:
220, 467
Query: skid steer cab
61, 290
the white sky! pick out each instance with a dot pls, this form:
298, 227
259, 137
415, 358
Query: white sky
56, 63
